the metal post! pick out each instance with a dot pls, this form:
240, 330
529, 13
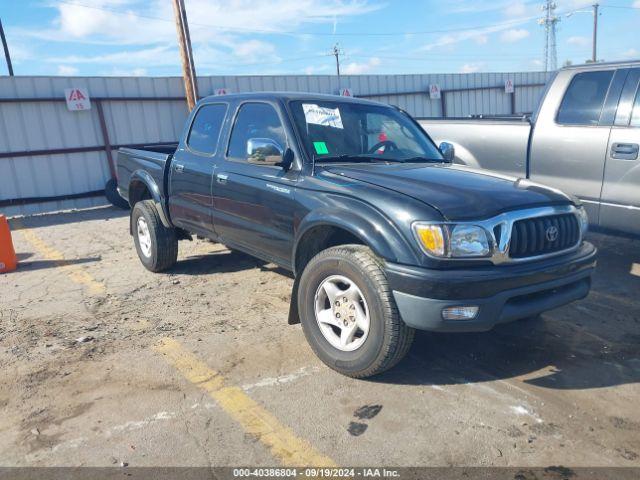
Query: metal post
594, 57
186, 54
105, 139
443, 103
512, 100
6, 50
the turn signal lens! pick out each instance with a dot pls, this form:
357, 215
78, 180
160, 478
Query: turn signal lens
431, 238
460, 313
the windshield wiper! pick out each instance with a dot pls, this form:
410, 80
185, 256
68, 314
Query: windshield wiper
356, 158
422, 159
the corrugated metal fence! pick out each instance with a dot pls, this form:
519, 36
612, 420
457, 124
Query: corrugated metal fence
50, 153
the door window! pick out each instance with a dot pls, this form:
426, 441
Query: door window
635, 114
205, 130
258, 135
583, 100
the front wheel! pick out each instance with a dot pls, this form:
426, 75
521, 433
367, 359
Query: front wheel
348, 313
157, 245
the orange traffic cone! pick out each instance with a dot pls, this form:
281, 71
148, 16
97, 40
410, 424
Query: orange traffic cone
8, 260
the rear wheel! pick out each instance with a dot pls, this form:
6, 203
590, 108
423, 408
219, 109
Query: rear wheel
157, 245
348, 313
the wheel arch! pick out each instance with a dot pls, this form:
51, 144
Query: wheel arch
321, 230
142, 186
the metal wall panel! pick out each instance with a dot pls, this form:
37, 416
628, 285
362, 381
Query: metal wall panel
27, 126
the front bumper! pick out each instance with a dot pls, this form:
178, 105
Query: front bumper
503, 293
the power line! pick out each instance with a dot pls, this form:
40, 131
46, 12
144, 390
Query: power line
299, 33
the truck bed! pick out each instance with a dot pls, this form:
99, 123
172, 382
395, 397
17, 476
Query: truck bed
151, 160
494, 143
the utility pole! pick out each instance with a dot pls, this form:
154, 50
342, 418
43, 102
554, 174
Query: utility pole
549, 22
594, 56
7, 57
336, 53
186, 54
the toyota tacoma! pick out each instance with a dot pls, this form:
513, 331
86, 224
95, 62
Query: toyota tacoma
383, 233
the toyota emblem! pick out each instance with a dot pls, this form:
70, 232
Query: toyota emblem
551, 233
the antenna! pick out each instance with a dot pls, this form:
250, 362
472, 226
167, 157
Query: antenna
550, 48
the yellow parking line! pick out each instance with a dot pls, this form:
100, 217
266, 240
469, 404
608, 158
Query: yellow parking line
254, 419
75, 273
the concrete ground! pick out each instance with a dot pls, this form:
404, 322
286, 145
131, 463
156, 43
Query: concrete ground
104, 363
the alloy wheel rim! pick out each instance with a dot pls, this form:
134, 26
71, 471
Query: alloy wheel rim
144, 236
342, 313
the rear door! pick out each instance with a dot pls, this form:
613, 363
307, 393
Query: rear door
254, 200
190, 177
620, 200
569, 143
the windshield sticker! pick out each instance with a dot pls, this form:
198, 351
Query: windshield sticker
321, 148
327, 117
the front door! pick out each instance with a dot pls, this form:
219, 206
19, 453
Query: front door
620, 201
254, 199
190, 202
569, 146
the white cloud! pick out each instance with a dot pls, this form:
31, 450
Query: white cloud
515, 9
450, 39
636, 4
472, 67
152, 56
355, 68
67, 70
222, 32
631, 53
514, 35
481, 39
254, 49
537, 63
578, 41
123, 72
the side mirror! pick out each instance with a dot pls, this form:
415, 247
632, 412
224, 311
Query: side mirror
264, 151
448, 151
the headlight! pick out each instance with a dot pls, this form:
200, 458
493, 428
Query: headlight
452, 241
469, 241
583, 219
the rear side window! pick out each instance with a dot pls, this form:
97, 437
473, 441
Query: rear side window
205, 130
583, 101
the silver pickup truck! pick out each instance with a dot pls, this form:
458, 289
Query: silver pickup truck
582, 139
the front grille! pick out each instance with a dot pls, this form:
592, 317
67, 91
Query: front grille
542, 235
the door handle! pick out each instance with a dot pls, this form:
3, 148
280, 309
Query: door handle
624, 151
222, 178
179, 168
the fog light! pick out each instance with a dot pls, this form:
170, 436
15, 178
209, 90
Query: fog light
460, 313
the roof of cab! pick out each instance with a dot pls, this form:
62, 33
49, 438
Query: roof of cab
598, 65
287, 96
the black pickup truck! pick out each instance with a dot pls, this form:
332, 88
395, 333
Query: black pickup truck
383, 234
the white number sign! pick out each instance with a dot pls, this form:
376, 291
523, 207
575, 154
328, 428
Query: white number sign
77, 99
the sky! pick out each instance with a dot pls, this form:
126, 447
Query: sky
242, 37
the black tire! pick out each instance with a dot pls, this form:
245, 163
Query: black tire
389, 338
164, 241
111, 192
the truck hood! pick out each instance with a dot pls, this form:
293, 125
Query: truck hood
457, 191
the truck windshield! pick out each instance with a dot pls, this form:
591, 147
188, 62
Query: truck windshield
335, 131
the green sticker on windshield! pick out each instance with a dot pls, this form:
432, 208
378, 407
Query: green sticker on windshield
321, 148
